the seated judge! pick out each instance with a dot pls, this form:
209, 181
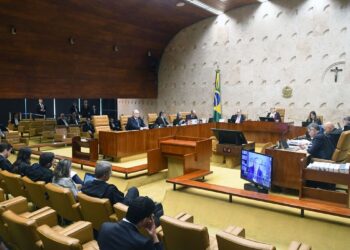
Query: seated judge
40, 108
161, 120
88, 127
312, 118
125, 233
274, 114
74, 108
191, 116
321, 146
100, 188
5, 152
114, 124
346, 122
238, 117
135, 122
86, 110
62, 121
178, 121
332, 133
74, 119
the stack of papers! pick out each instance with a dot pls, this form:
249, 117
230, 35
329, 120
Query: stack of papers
298, 142
330, 167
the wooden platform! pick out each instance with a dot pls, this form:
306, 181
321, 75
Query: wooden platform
189, 180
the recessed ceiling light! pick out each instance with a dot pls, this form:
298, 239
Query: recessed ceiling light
262, 1
180, 4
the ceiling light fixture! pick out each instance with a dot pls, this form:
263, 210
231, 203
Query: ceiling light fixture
205, 7
262, 1
180, 4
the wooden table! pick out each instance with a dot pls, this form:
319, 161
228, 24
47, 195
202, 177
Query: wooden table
286, 172
128, 143
194, 154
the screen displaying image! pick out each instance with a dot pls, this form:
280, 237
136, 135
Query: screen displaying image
256, 168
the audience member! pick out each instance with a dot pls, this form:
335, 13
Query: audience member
135, 122
238, 117
346, 122
86, 110
62, 121
62, 176
40, 108
274, 114
321, 146
101, 189
161, 120
332, 133
22, 162
5, 152
74, 119
125, 234
178, 120
313, 118
74, 108
41, 171
89, 128
114, 124
191, 116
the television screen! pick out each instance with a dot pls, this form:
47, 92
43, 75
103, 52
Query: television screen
256, 168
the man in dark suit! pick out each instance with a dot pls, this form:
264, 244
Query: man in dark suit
135, 122
62, 121
321, 146
5, 152
161, 120
114, 124
86, 110
40, 108
101, 189
74, 119
15, 120
41, 171
274, 114
191, 116
88, 127
125, 235
332, 133
238, 117
74, 108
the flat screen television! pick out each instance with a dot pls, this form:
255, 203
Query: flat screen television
225, 136
256, 168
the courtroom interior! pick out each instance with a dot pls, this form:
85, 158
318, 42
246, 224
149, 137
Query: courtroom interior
174, 124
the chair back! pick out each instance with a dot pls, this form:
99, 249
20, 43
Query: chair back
36, 192
282, 113
52, 240
183, 235
124, 121
62, 200
95, 210
184, 114
151, 118
73, 131
120, 210
22, 231
101, 123
172, 117
343, 147
227, 241
14, 184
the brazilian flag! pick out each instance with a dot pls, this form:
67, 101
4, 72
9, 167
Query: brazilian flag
217, 98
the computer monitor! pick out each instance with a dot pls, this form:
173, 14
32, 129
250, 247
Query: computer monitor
225, 136
256, 168
266, 119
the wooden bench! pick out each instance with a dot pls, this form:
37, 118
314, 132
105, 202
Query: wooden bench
188, 180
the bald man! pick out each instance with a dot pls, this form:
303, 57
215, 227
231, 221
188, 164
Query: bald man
238, 117
135, 122
332, 133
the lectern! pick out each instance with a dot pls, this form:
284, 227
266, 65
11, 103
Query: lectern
180, 154
90, 143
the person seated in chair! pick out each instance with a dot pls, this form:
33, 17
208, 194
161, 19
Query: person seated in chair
274, 114
89, 128
135, 122
5, 152
312, 118
161, 120
114, 124
125, 234
238, 117
101, 189
178, 121
191, 116
41, 171
332, 133
62, 121
74, 119
22, 162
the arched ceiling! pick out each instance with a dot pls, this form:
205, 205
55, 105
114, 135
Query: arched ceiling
90, 48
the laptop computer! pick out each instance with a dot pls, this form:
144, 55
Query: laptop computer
88, 177
266, 119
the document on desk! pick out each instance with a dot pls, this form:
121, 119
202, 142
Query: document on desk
330, 167
298, 142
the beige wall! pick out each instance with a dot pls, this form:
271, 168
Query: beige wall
260, 49
145, 106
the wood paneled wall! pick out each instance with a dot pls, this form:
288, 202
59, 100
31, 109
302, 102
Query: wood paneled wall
39, 60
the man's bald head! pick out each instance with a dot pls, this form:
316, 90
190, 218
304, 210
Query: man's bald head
328, 127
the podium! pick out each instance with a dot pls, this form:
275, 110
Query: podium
180, 154
90, 143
